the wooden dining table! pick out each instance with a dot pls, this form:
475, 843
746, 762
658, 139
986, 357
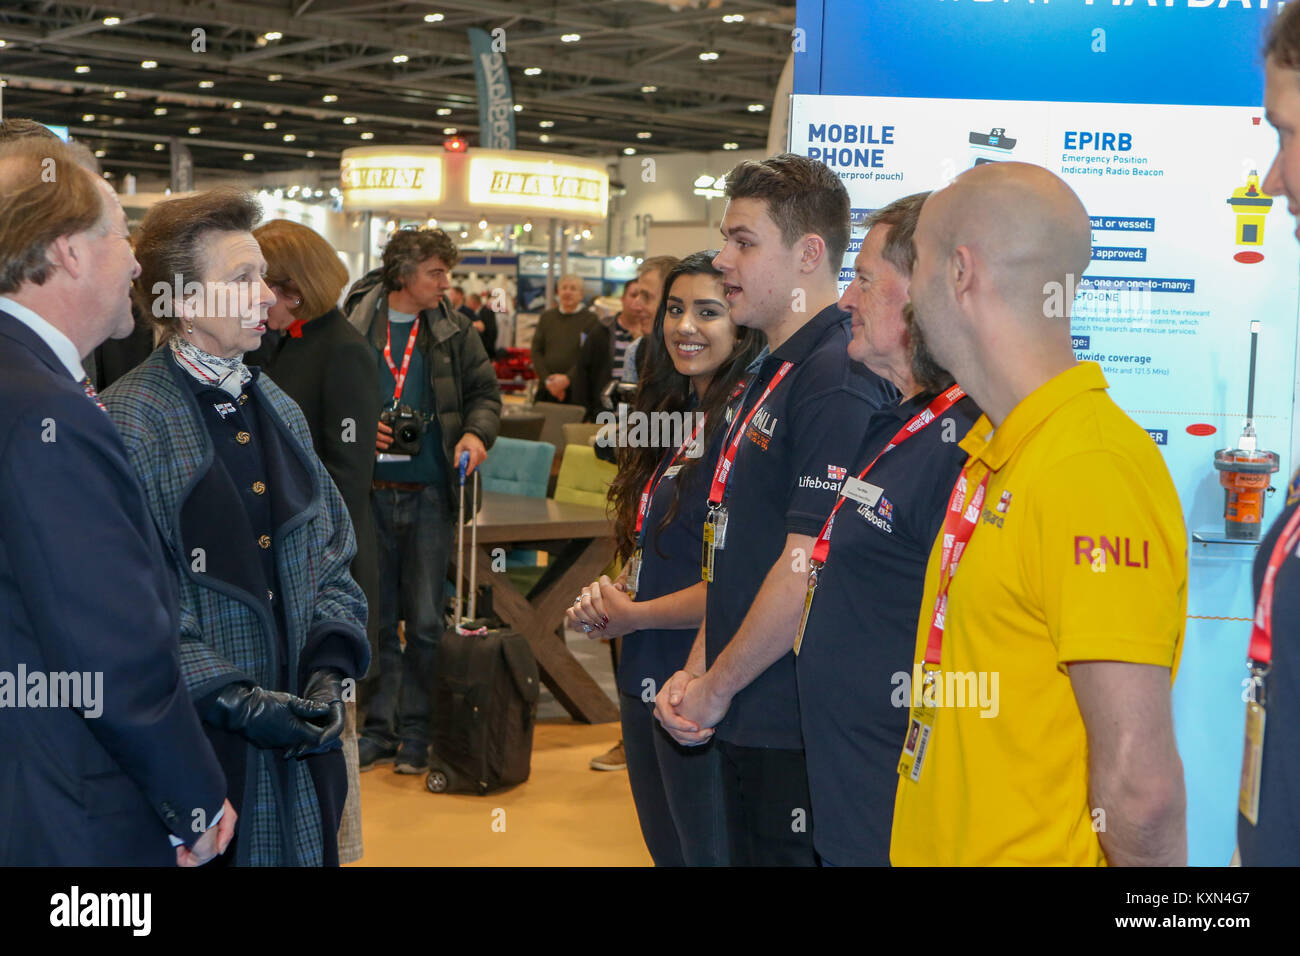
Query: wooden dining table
583, 547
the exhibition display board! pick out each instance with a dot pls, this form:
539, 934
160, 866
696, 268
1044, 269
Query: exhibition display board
1167, 147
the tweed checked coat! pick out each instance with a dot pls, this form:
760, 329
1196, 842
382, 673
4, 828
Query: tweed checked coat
228, 633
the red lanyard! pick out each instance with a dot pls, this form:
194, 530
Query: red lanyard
722, 474
941, 404
652, 484
399, 377
958, 526
1261, 632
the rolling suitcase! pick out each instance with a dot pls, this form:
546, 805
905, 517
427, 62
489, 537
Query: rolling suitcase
484, 700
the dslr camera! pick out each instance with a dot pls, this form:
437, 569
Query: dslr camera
408, 427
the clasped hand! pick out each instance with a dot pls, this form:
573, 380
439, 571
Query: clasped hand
689, 709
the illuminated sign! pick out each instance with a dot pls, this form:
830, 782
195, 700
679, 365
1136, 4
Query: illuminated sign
581, 191
390, 177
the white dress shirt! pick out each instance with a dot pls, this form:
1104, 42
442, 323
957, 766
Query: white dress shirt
59, 343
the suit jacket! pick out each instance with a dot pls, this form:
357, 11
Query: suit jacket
228, 627
85, 587
331, 373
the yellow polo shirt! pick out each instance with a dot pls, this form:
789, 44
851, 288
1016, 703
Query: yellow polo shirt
1080, 555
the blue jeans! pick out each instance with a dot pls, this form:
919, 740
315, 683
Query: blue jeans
414, 531
677, 791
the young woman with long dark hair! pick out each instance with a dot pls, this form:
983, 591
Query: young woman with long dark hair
695, 366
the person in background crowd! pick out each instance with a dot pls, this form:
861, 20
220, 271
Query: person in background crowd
272, 623
327, 367
484, 321
696, 357
600, 360
456, 296
113, 358
1268, 827
799, 425
649, 289
558, 340
870, 561
1066, 581
433, 363
75, 602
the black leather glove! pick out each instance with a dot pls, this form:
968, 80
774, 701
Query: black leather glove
269, 718
325, 686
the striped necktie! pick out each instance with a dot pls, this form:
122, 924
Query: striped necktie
91, 394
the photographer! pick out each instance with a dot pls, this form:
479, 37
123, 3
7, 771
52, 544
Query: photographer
438, 398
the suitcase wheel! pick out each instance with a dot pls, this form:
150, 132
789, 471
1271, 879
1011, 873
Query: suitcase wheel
436, 782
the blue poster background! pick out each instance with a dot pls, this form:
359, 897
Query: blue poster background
1072, 52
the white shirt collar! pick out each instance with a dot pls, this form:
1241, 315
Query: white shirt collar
59, 343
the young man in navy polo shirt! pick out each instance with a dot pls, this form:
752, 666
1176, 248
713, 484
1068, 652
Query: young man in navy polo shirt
799, 425
854, 657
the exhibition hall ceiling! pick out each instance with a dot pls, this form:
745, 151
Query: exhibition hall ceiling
292, 83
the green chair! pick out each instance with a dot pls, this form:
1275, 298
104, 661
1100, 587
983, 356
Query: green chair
584, 479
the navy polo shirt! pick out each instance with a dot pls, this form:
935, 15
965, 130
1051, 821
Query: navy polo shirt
670, 562
784, 480
1275, 841
861, 630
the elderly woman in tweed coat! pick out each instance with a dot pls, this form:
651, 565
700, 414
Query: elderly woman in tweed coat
272, 624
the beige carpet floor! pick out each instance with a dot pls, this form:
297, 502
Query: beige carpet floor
566, 814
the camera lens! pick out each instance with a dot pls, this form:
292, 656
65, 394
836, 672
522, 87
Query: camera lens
408, 433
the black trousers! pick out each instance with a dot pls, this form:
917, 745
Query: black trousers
677, 791
768, 808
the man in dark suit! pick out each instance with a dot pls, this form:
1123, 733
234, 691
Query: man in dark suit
102, 758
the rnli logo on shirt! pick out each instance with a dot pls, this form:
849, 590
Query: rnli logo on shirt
882, 520
1004, 503
761, 427
224, 409
836, 473
1105, 552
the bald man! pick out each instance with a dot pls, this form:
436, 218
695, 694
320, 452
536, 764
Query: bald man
1040, 729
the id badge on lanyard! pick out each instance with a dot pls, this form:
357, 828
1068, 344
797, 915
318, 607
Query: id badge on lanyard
858, 490
715, 525
960, 521
1259, 662
715, 539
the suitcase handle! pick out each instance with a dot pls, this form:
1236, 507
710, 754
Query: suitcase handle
463, 466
